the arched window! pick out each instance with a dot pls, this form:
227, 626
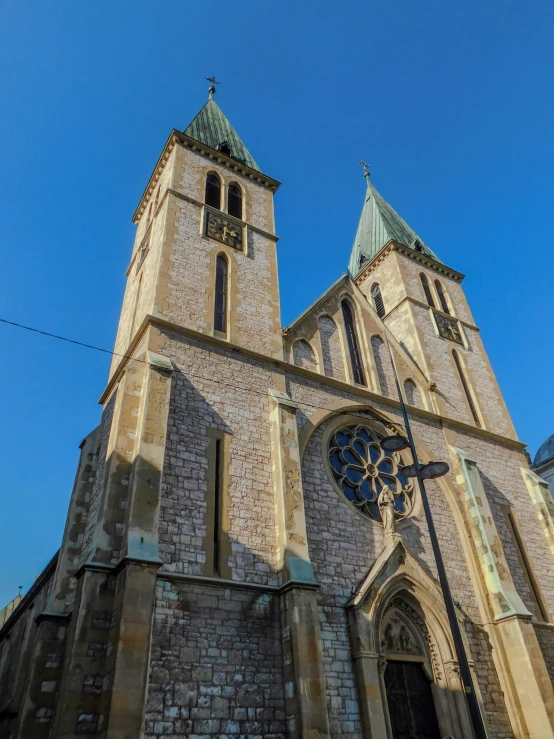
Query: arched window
442, 297
427, 290
352, 339
378, 299
213, 191
220, 305
465, 386
413, 396
234, 201
382, 364
303, 355
331, 350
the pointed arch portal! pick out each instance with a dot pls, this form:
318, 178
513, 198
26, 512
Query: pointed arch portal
405, 664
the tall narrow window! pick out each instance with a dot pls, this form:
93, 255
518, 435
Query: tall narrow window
157, 200
234, 201
378, 299
213, 191
427, 290
383, 364
137, 298
220, 306
465, 386
540, 608
218, 484
442, 297
216, 539
355, 358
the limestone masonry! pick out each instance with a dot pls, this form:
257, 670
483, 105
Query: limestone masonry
224, 569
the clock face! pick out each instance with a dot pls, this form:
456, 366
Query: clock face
224, 229
448, 327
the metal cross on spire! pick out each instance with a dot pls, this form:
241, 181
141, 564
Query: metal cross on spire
365, 165
211, 88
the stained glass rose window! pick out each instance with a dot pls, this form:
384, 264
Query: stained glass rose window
361, 469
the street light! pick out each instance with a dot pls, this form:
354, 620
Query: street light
430, 471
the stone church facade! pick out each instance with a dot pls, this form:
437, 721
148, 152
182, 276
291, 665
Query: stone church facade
224, 571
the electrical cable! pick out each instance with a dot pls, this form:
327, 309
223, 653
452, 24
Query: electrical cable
126, 356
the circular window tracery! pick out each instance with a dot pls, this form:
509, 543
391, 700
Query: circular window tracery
361, 469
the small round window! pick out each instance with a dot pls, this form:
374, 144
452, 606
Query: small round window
361, 469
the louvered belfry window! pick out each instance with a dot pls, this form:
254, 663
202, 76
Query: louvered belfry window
220, 306
234, 201
213, 191
378, 300
427, 290
352, 339
442, 297
465, 386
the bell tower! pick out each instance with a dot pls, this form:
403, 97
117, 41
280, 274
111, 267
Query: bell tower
204, 256
421, 301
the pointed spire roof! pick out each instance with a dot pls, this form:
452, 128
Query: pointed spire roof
212, 128
379, 224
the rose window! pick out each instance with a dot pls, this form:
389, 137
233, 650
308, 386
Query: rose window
361, 469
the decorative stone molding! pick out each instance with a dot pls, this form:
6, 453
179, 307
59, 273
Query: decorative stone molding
542, 502
504, 598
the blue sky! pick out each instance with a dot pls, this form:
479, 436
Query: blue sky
451, 103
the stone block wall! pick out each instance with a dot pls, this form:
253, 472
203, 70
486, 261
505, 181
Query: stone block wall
216, 665
219, 391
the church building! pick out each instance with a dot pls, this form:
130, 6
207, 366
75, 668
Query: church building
242, 558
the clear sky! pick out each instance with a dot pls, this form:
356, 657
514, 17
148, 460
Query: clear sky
451, 103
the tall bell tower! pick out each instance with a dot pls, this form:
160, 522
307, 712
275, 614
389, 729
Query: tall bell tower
422, 302
202, 276
204, 255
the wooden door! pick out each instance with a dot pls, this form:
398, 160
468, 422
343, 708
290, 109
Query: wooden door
410, 702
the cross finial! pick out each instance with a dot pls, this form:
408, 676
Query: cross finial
365, 165
211, 88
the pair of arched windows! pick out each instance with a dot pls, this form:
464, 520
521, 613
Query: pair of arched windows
429, 295
213, 195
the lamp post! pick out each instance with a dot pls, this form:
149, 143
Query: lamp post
431, 471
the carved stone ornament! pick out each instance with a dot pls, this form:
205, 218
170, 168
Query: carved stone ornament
401, 605
224, 229
397, 638
448, 327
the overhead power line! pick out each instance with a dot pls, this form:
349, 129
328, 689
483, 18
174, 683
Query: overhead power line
134, 359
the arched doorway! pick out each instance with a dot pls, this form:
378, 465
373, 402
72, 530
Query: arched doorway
407, 673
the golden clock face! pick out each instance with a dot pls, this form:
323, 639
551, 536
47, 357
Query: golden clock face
223, 229
448, 327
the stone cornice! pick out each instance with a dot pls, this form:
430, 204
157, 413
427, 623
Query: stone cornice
421, 304
29, 596
391, 246
193, 201
164, 325
225, 161
219, 582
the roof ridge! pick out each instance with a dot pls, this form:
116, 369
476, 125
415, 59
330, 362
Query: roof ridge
379, 223
212, 128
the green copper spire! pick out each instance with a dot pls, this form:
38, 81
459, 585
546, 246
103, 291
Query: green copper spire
379, 224
211, 128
